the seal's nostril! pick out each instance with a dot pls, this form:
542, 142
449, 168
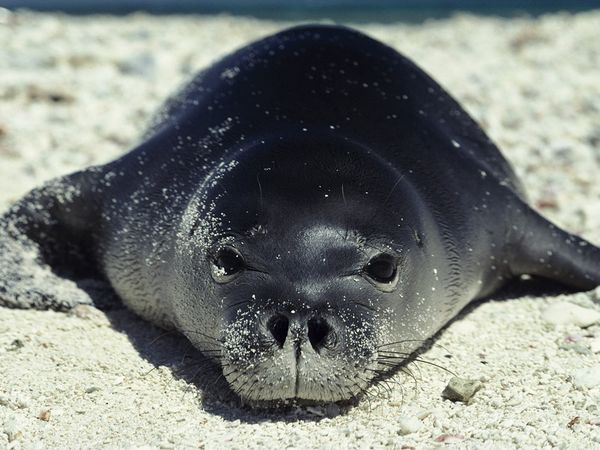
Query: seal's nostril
318, 331
278, 325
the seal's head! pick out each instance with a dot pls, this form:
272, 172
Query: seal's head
311, 278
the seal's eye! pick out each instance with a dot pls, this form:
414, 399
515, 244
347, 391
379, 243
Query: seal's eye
227, 263
382, 268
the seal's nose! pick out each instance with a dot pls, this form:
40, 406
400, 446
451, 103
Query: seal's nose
279, 325
317, 330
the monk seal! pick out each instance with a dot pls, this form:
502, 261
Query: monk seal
306, 212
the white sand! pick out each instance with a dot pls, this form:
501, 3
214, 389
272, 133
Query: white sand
71, 382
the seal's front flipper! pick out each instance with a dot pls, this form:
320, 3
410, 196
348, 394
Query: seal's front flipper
542, 249
46, 245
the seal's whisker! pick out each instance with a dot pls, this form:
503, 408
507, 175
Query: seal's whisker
251, 389
232, 372
216, 380
382, 384
184, 356
197, 362
240, 374
404, 341
189, 387
439, 366
217, 350
396, 361
213, 350
243, 387
162, 335
359, 391
407, 371
343, 390
428, 341
207, 361
212, 338
392, 354
416, 366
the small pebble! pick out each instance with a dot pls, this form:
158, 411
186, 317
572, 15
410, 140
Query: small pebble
12, 429
407, 425
424, 413
317, 411
514, 401
87, 312
574, 343
587, 377
39, 93
461, 389
565, 313
44, 415
450, 438
17, 344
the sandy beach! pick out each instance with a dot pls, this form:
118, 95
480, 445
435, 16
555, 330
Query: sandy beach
77, 91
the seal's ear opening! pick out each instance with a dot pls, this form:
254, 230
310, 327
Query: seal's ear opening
47, 247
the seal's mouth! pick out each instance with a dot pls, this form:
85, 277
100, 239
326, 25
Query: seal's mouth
303, 360
289, 379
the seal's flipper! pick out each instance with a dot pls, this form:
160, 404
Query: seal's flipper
545, 250
46, 245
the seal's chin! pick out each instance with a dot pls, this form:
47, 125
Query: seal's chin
265, 388
297, 374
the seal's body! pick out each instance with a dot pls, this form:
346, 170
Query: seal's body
304, 211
